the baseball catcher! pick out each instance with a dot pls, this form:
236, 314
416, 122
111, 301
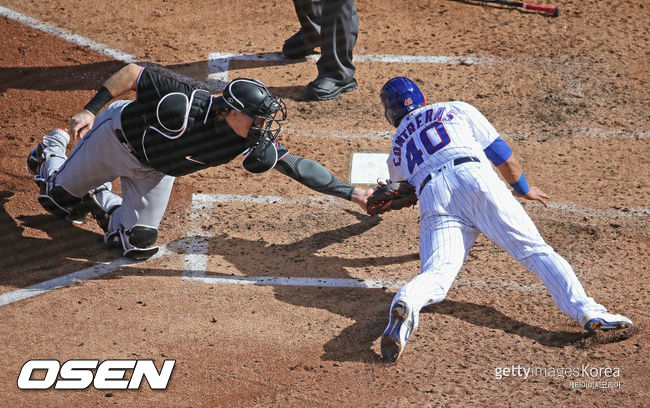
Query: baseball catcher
171, 129
389, 196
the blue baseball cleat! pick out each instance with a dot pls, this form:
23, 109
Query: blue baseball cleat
396, 334
604, 320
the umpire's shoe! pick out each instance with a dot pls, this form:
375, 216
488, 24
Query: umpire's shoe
323, 89
604, 320
298, 46
397, 333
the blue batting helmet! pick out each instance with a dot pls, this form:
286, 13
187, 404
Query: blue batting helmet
400, 96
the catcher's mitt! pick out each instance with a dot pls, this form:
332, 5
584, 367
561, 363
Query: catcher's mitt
392, 196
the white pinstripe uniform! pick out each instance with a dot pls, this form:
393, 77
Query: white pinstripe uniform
461, 201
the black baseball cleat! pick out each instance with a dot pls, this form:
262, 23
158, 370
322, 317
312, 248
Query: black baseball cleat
79, 211
35, 159
52, 206
297, 46
141, 254
323, 89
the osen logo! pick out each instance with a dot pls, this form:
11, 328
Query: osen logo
80, 374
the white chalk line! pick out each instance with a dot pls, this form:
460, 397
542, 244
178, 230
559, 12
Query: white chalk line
372, 134
95, 46
209, 199
196, 254
349, 282
219, 62
91, 272
196, 258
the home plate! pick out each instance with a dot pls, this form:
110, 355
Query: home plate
368, 167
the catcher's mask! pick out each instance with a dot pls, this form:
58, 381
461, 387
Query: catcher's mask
251, 97
400, 96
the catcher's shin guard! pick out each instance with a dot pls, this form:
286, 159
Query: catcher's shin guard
88, 204
102, 216
136, 243
35, 161
56, 200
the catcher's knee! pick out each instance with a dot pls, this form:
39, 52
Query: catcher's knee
141, 236
138, 237
56, 200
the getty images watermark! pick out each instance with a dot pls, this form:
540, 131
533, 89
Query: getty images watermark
582, 377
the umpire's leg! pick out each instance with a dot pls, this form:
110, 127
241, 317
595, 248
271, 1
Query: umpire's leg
339, 31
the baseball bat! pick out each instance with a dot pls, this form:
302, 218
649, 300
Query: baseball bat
552, 10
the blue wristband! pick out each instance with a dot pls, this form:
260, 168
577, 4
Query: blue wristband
520, 186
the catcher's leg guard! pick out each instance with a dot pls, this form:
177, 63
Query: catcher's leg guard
137, 242
88, 204
51, 147
56, 200
35, 160
102, 216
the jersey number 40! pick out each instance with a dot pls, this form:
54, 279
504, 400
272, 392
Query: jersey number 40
414, 155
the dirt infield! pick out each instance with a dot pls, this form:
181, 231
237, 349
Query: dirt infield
568, 93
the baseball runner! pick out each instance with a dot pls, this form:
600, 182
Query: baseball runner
442, 150
170, 130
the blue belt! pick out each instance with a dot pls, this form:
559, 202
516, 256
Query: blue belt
457, 162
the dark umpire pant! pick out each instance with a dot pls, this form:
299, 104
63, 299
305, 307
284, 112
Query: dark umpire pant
334, 25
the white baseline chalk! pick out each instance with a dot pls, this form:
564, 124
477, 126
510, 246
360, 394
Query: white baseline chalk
208, 199
70, 279
350, 282
95, 46
219, 62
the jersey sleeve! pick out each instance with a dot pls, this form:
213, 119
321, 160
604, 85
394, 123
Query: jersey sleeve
483, 131
394, 172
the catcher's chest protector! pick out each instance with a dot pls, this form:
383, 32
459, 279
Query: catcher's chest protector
177, 113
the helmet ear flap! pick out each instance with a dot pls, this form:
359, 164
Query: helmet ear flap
261, 158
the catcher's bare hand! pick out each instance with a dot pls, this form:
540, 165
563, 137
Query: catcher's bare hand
535, 194
81, 123
360, 196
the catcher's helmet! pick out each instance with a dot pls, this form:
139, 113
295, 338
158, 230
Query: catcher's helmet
400, 96
251, 97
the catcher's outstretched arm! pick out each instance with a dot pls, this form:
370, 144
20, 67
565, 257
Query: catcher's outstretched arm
314, 176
